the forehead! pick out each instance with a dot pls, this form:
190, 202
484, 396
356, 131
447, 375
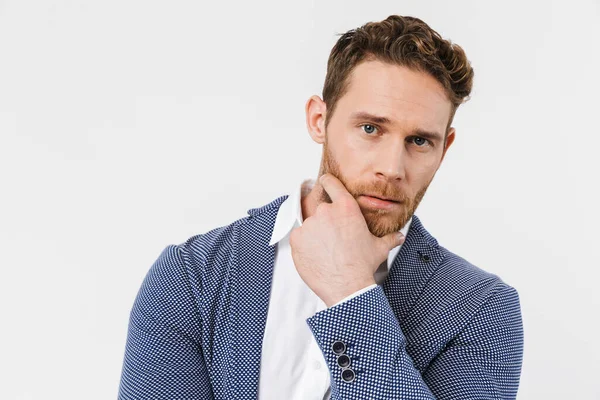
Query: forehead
411, 98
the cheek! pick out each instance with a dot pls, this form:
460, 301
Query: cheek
361, 152
352, 141
347, 150
420, 171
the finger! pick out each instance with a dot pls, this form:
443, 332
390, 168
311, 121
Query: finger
334, 187
393, 239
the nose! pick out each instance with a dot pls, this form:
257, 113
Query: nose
390, 163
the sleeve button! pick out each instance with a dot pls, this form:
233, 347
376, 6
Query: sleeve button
343, 361
338, 347
348, 375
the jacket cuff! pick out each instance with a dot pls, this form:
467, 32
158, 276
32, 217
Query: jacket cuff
366, 331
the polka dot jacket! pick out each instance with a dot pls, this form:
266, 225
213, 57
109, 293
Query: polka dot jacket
438, 327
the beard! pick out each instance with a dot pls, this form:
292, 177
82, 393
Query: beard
380, 222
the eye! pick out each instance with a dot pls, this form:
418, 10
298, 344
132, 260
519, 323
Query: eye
419, 140
368, 128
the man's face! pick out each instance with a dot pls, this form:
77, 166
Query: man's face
387, 159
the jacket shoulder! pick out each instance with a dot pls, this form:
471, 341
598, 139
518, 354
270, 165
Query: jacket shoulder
453, 283
455, 293
208, 255
462, 275
201, 247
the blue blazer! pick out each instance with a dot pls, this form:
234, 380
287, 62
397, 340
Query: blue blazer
437, 328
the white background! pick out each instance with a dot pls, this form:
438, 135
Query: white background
129, 125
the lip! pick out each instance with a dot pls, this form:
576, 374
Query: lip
375, 202
381, 198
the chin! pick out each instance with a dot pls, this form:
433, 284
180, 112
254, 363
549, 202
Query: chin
382, 225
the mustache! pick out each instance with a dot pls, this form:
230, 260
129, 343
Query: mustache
385, 193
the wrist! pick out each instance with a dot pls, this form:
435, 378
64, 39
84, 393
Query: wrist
337, 297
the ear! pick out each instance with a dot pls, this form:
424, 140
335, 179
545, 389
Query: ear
316, 110
449, 140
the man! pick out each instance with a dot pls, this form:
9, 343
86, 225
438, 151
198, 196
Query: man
337, 290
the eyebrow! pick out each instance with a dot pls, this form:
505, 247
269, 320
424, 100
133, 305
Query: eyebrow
362, 115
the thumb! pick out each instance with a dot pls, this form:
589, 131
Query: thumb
394, 239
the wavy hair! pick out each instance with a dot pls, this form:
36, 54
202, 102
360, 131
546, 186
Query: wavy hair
399, 40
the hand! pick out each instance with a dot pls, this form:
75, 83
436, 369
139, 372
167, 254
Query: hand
334, 252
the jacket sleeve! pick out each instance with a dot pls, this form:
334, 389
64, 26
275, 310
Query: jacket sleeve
163, 356
482, 362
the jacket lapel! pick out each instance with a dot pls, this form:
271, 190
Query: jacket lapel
412, 268
250, 284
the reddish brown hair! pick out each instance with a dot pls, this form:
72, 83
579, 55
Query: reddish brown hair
399, 40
